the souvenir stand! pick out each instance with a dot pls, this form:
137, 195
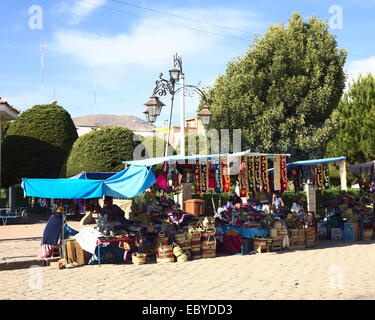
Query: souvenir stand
249, 224
365, 173
313, 176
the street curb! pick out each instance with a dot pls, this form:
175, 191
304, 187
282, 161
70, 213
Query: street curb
13, 265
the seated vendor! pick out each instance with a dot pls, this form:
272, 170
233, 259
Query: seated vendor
113, 212
52, 233
225, 214
234, 200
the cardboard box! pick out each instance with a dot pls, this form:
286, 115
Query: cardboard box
75, 253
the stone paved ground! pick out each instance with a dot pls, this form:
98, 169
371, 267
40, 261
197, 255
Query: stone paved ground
325, 272
332, 270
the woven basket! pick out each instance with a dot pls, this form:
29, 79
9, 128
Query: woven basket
367, 234
182, 258
183, 240
273, 233
163, 239
139, 258
177, 250
210, 253
165, 254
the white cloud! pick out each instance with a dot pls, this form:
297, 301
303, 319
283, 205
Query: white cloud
150, 42
80, 9
363, 66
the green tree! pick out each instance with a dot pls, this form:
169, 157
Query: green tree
283, 91
103, 150
355, 138
37, 143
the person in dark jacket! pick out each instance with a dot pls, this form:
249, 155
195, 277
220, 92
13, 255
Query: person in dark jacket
52, 233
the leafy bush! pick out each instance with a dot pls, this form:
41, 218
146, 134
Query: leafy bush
103, 150
37, 143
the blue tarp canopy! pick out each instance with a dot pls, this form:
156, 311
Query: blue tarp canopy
124, 184
154, 161
93, 175
62, 188
312, 162
129, 182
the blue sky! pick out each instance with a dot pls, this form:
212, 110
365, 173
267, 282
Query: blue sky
119, 47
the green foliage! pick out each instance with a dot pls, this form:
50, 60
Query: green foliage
356, 138
103, 150
37, 143
4, 128
283, 91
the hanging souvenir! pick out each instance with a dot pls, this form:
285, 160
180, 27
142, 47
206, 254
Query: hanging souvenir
197, 171
218, 176
276, 174
211, 175
343, 175
250, 174
257, 174
264, 174
204, 175
161, 181
226, 174
319, 178
325, 176
242, 178
283, 173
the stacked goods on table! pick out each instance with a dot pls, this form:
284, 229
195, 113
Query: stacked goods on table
352, 215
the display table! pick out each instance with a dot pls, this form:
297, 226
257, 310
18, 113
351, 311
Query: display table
101, 241
248, 233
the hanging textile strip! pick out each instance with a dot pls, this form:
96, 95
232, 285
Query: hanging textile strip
204, 175
325, 176
226, 174
283, 173
257, 174
343, 174
276, 174
264, 174
241, 178
250, 173
218, 176
197, 171
319, 177
211, 175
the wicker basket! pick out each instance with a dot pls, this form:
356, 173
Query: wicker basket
183, 240
182, 258
139, 258
163, 239
165, 254
273, 233
367, 234
209, 246
177, 250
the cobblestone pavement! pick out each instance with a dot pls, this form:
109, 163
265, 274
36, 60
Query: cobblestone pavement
329, 271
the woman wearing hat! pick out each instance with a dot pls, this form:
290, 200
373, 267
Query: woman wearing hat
52, 233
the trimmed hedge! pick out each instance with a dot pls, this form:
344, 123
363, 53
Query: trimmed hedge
103, 150
37, 143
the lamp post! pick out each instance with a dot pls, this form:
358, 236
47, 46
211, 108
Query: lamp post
162, 88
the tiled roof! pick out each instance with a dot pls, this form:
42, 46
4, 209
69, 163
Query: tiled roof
9, 106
